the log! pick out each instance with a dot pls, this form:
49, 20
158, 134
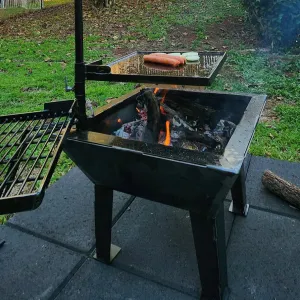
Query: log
282, 188
149, 100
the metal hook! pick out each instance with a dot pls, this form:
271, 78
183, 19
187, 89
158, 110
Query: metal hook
67, 87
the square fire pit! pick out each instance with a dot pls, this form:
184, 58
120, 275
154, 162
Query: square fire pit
193, 169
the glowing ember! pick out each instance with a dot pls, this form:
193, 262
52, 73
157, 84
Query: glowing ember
156, 90
167, 141
137, 110
119, 121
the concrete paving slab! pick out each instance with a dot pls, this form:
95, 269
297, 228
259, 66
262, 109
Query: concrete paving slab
96, 281
262, 198
31, 268
157, 243
264, 257
67, 212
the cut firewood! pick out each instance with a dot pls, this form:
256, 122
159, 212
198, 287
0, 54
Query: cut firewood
282, 188
149, 100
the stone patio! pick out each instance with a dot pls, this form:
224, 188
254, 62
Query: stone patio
48, 252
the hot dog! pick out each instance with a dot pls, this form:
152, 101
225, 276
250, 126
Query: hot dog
181, 59
162, 59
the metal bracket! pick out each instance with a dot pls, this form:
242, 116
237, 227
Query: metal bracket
67, 87
114, 251
237, 211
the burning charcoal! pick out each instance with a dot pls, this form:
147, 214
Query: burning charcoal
133, 130
224, 128
175, 135
177, 120
162, 137
207, 138
192, 109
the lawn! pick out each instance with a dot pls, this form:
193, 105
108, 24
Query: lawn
37, 53
11, 12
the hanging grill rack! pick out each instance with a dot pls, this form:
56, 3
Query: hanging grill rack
30, 145
131, 68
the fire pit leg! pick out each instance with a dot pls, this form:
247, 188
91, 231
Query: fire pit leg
105, 251
209, 240
239, 203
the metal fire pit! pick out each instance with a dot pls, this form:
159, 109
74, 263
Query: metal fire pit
197, 182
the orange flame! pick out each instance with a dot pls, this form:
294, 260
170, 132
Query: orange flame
119, 121
156, 90
137, 109
162, 111
164, 96
167, 141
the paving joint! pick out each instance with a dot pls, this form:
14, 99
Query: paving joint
122, 211
274, 212
161, 282
45, 238
68, 278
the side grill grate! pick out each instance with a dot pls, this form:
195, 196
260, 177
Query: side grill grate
30, 145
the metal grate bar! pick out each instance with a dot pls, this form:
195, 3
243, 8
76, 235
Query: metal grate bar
30, 179
40, 154
44, 164
2, 125
18, 144
13, 136
37, 135
13, 169
6, 134
17, 151
24, 159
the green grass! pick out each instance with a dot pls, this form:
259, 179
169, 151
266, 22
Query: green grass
49, 3
197, 16
9, 12
280, 139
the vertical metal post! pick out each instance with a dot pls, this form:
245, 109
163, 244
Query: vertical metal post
105, 251
210, 245
79, 66
239, 203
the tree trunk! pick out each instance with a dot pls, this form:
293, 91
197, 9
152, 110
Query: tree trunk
283, 189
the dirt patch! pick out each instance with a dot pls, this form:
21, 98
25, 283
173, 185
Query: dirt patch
182, 37
269, 115
231, 33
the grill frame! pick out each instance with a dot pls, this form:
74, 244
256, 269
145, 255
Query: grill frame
34, 147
